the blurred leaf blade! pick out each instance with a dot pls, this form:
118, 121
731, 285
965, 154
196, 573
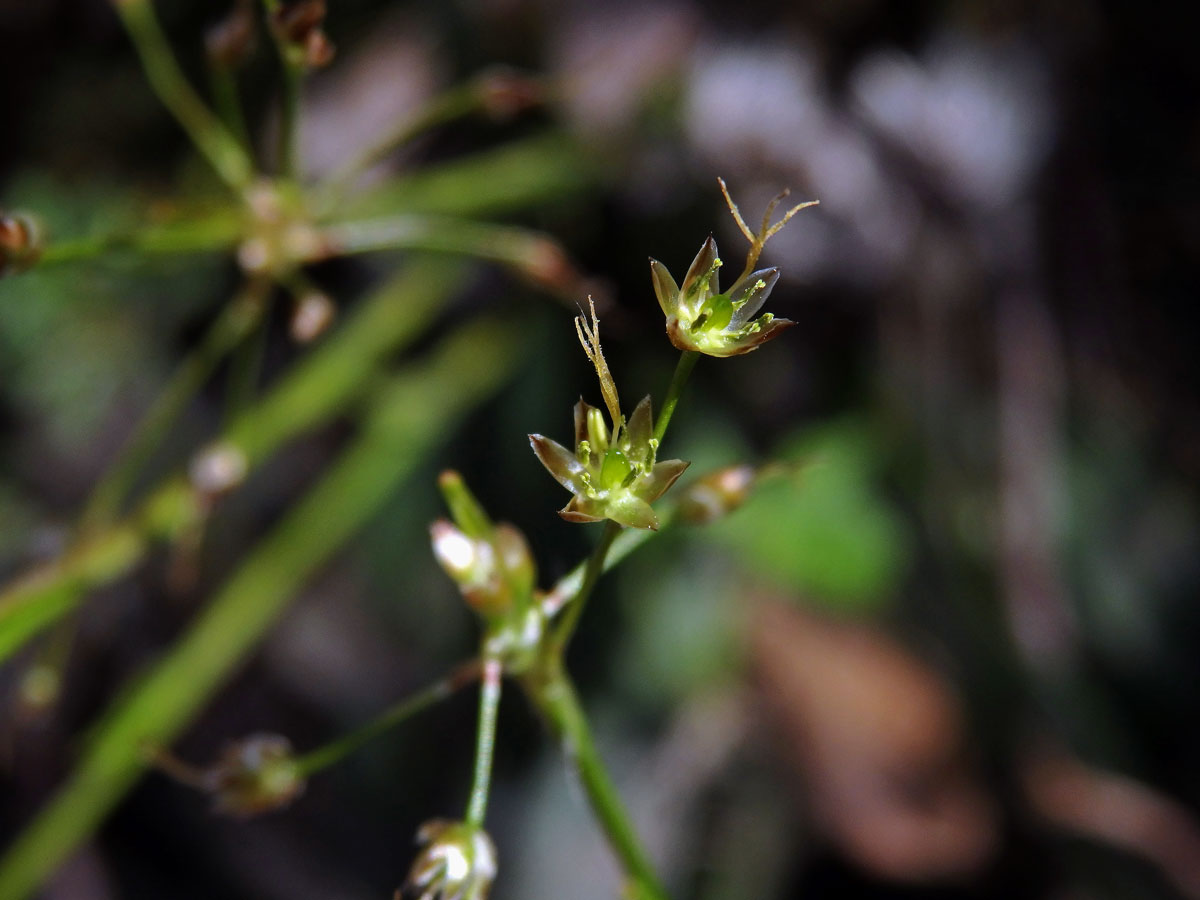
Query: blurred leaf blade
318, 389
538, 170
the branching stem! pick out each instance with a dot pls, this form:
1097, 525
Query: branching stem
565, 627
554, 695
683, 370
206, 131
239, 317
333, 752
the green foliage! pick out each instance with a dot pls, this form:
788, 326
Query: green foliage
824, 528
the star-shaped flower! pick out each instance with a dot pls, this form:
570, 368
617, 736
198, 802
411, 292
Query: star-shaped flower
701, 318
613, 474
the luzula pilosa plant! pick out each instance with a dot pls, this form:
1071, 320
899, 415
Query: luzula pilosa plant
613, 474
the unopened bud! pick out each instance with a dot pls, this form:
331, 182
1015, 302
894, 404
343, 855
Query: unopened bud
466, 511
473, 565
318, 49
515, 560
313, 314
254, 775
230, 42
40, 687
546, 265
299, 25
491, 564
717, 494
20, 243
505, 93
217, 469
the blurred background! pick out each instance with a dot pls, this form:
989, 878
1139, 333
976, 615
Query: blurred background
952, 654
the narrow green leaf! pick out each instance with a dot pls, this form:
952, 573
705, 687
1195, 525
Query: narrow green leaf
411, 414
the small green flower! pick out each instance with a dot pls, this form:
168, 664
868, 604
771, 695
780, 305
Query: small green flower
700, 317
456, 862
613, 474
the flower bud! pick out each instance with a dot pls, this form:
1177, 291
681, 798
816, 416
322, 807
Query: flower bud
20, 243
506, 93
230, 42
466, 511
254, 775
472, 563
717, 494
456, 862
298, 25
217, 469
313, 314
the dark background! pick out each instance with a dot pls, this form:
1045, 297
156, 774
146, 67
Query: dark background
954, 657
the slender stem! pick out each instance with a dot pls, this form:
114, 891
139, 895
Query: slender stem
289, 118
567, 587
489, 704
215, 231
554, 695
205, 130
565, 628
245, 371
240, 316
333, 752
687, 362
291, 59
228, 102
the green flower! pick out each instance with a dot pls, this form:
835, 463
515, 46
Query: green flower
699, 318
612, 476
702, 319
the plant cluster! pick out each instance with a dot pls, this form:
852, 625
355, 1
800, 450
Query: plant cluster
276, 226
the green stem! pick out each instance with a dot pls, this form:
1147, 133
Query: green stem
411, 414
485, 741
216, 231
687, 362
290, 58
205, 130
245, 372
333, 752
229, 104
565, 628
240, 316
554, 695
629, 539
323, 385
289, 119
